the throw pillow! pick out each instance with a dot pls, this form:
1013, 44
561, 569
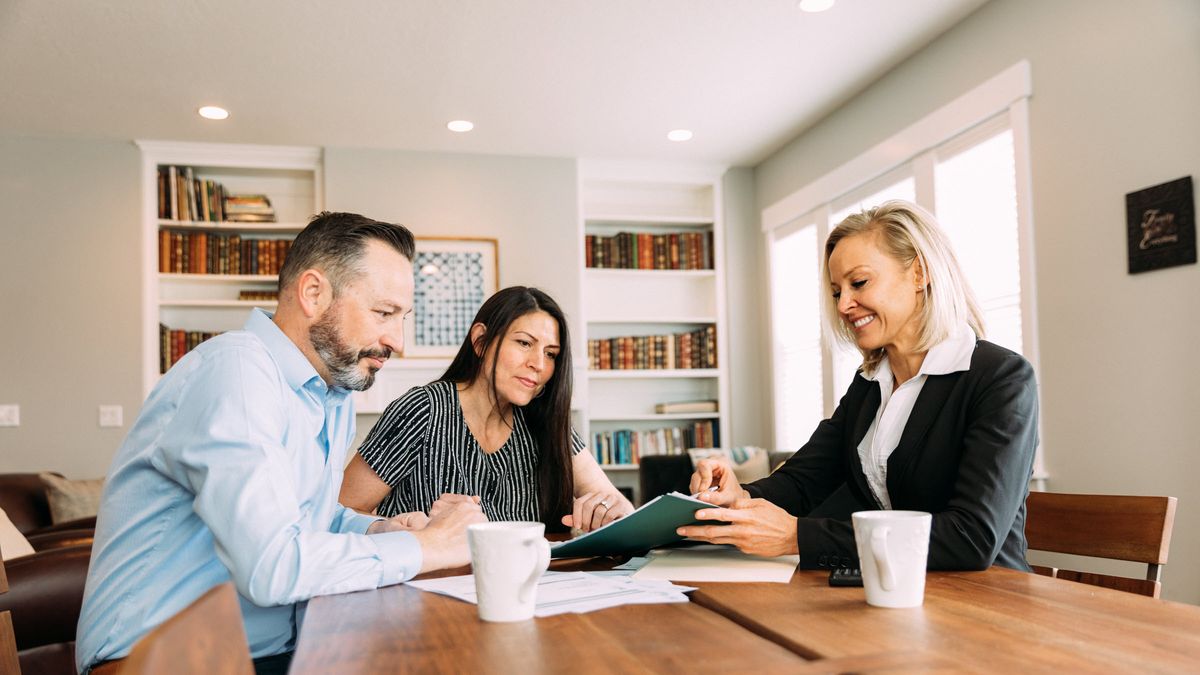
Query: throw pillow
749, 463
72, 499
13, 544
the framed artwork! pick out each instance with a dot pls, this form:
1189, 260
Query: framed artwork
452, 278
1161, 226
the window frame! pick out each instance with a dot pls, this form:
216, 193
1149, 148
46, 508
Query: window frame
1001, 102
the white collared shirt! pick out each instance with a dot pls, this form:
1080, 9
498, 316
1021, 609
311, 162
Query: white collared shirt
952, 355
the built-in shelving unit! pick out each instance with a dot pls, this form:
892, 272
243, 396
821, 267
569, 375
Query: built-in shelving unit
680, 207
202, 303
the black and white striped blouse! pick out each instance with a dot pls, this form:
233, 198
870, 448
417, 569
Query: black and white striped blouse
422, 447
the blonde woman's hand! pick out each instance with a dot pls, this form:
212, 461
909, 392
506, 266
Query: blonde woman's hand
754, 526
716, 473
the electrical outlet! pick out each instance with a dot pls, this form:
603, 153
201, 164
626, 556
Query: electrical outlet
112, 416
10, 415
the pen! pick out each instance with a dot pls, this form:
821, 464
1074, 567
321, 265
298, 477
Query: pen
712, 488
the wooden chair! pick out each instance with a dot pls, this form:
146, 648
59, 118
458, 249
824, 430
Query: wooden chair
9, 664
206, 637
1136, 529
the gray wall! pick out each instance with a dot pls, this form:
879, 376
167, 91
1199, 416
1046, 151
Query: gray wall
70, 304
530, 205
749, 339
1115, 107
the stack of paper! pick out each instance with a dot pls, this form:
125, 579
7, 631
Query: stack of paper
714, 562
571, 592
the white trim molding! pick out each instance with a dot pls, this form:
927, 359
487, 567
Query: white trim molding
990, 98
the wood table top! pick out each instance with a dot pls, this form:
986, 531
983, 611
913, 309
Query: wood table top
403, 629
995, 620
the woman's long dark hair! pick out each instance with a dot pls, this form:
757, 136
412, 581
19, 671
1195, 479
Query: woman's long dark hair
548, 414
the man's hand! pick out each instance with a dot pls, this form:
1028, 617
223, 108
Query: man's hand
444, 540
756, 527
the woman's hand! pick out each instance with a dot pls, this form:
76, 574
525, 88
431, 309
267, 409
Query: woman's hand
401, 522
756, 527
716, 473
447, 500
595, 509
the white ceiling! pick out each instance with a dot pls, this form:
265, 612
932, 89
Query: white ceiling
566, 78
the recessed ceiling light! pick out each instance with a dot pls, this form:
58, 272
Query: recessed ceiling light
680, 135
460, 125
212, 112
814, 5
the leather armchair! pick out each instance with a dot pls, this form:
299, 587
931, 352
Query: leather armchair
45, 589
23, 498
45, 593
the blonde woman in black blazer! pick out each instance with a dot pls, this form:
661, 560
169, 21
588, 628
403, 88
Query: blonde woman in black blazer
937, 419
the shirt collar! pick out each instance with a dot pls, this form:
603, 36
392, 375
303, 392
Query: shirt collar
951, 355
296, 369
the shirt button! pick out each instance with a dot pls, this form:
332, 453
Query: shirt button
823, 561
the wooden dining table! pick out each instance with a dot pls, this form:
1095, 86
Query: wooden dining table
997, 620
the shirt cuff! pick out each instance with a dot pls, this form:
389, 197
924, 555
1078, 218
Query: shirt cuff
401, 555
356, 523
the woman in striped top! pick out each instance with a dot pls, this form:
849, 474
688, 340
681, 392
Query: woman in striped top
496, 427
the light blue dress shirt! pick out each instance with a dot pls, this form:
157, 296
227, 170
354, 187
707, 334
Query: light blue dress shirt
232, 471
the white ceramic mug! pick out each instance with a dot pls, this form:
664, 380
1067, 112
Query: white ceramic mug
508, 559
893, 547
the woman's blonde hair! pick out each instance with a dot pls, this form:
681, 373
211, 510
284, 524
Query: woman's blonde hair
908, 233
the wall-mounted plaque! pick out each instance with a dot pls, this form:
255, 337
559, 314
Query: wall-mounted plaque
1161, 226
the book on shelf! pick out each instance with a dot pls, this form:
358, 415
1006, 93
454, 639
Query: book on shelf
173, 344
188, 252
675, 407
696, 349
184, 197
647, 251
258, 296
628, 446
249, 209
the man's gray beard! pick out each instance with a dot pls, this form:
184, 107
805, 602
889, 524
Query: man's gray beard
341, 361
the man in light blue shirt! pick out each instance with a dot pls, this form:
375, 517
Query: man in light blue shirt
232, 469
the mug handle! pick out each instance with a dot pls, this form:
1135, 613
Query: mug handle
543, 562
879, 552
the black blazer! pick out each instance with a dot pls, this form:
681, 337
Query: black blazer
966, 456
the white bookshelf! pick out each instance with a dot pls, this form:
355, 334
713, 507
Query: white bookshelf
656, 199
291, 177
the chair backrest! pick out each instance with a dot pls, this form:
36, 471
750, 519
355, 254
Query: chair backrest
9, 664
660, 474
206, 637
1132, 528
23, 498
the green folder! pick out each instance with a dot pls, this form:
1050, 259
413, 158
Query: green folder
650, 526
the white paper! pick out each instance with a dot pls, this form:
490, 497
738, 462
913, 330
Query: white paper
567, 592
716, 563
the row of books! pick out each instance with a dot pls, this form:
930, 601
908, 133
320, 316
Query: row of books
694, 349
645, 251
258, 296
173, 344
626, 446
183, 196
214, 253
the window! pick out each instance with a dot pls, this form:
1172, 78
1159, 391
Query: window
969, 179
799, 406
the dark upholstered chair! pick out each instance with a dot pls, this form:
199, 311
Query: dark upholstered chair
45, 593
46, 588
23, 498
660, 474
